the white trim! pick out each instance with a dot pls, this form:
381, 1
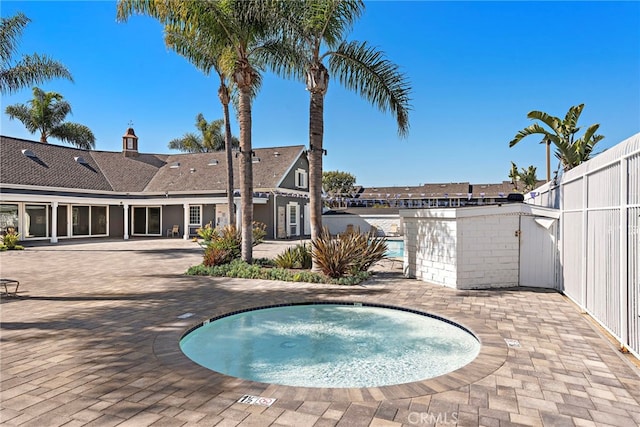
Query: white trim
291, 166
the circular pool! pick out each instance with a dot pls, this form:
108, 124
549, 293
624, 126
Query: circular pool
330, 345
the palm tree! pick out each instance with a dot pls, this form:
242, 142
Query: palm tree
45, 113
529, 178
241, 28
211, 138
514, 174
312, 25
206, 54
30, 69
562, 134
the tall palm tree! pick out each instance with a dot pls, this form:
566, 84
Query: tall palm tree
45, 113
205, 52
242, 28
211, 138
562, 133
314, 25
30, 69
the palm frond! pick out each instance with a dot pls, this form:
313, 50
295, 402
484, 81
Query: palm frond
10, 32
189, 143
76, 134
365, 70
534, 129
551, 121
23, 113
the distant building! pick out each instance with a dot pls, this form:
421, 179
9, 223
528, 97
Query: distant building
51, 192
439, 195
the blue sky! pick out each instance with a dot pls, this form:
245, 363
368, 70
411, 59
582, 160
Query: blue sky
476, 68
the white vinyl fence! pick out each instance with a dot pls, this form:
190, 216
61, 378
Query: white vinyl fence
600, 237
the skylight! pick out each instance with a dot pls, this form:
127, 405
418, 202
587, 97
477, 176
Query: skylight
80, 160
212, 162
29, 153
175, 165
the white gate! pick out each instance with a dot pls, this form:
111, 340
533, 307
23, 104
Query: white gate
538, 252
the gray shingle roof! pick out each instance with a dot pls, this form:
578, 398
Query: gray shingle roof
55, 166
128, 174
193, 172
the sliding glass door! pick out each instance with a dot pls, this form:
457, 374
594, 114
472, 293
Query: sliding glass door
146, 220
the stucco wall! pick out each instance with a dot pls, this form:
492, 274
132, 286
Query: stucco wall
337, 223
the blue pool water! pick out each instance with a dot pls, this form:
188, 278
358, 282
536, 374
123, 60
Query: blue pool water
331, 345
395, 248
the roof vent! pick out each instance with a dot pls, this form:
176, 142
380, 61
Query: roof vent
212, 162
29, 153
276, 154
175, 165
80, 160
192, 170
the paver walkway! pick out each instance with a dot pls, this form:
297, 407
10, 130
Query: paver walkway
92, 341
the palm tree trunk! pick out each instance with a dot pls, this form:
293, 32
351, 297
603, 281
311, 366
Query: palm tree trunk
223, 94
548, 160
246, 173
316, 133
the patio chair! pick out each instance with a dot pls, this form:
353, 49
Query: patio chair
393, 230
10, 282
175, 231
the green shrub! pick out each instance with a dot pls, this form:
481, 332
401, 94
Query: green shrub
298, 256
216, 253
207, 233
10, 240
259, 232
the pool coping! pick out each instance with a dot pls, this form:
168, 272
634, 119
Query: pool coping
492, 355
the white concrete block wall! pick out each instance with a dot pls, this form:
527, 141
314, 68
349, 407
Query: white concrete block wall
490, 251
465, 248
436, 255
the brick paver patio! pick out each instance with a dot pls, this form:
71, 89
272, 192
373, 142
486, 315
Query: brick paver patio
92, 341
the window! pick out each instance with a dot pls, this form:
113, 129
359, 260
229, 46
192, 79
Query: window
194, 215
301, 178
8, 217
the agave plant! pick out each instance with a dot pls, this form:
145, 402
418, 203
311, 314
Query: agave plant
350, 253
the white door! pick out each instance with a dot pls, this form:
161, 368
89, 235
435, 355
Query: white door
307, 219
538, 252
292, 220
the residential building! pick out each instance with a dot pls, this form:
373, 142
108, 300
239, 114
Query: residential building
52, 192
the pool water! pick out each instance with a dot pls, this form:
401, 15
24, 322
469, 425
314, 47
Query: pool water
331, 345
395, 248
